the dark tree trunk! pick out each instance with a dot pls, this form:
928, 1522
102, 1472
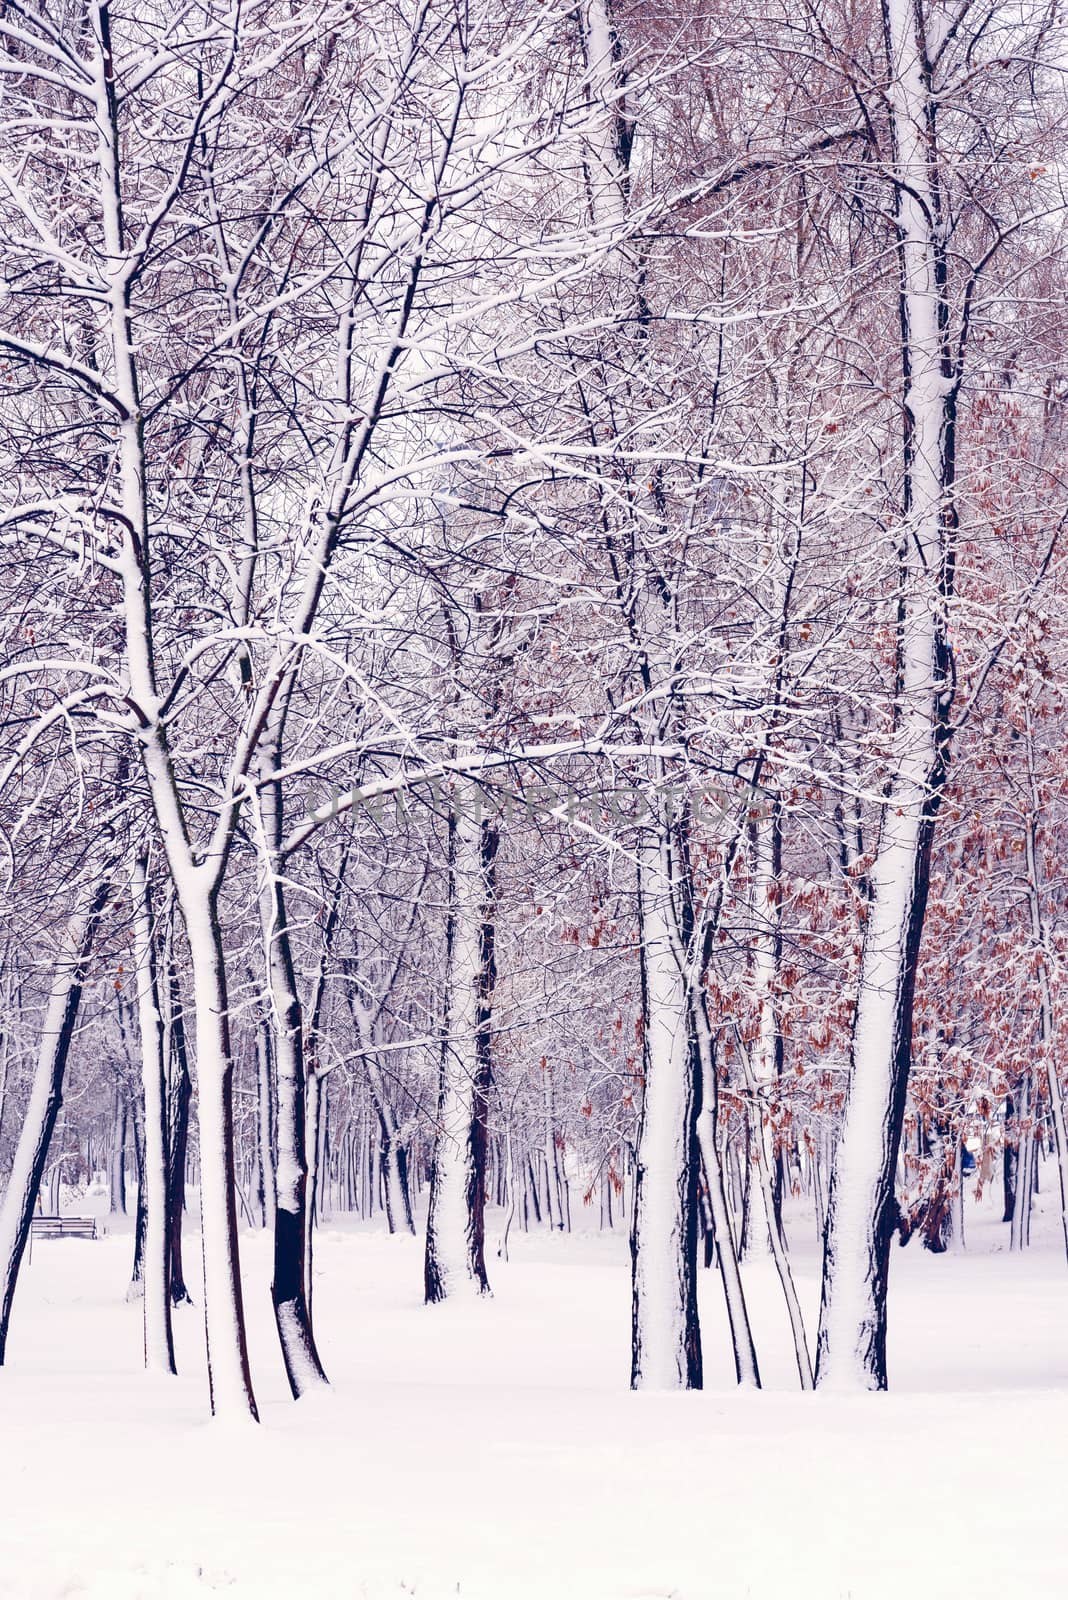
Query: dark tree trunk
935, 1215
393, 1165
46, 1097
292, 1198
181, 1093
862, 1206
871, 1348
1008, 1181
532, 1184
137, 1270
265, 1141
745, 1230
117, 1174
455, 1241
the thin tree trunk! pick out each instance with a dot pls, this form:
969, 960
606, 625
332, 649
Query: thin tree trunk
288, 1287
313, 1097
935, 1213
509, 1194
5, 1054
392, 1156
957, 1203
553, 1195
532, 1188
1020, 1229
816, 1167
180, 1094
159, 1341
46, 1095
1047, 1020
763, 1163
745, 1356
393, 1166
264, 1125
136, 1286
1008, 1162
117, 1162
766, 1068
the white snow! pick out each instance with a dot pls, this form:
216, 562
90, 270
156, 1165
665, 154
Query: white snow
490, 1448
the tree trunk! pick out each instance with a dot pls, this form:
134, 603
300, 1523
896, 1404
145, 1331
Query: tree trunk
117, 1162
136, 1286
264, 1125
313, 1104
1020, 1228
455, 1235
46, 1095
392, 1156
763, 1163
745, 1356
224, 1316
767, 1060
288, 1287
665, 1336
862, 1210
196, 880
509, 1194
1047, 1018
532, 1189
159, 1342
180, 1093
1008, 1161
553, 1189
393, 1165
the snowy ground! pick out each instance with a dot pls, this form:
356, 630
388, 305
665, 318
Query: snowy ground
493, 1450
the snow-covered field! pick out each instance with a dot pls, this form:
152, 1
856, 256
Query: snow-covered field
493, 1449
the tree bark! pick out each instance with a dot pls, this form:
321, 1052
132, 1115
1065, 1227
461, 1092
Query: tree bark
288, 1286
665, 1336
196, 880
455, 1237
1008, 1161
1047, 1018
745, 1356
229, 1378
265, 1156
179, 1096
117, 1162
862, 1210
159, 1341
392, 1155
46, 1095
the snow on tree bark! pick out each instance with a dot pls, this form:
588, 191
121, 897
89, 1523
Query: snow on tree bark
1047, 1017
46, 1094
455, 1237
665, 1337
292, 1316
159, 1342
862, 1209
179, 1096
265, 1157
196, 883
745, 1356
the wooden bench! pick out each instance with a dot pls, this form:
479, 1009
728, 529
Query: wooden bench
63, 1227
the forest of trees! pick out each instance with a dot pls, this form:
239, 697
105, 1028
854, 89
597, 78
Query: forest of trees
533, 682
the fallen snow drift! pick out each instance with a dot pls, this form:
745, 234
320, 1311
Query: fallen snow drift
492, 1449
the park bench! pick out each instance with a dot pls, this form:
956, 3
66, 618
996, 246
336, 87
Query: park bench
63, 1227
